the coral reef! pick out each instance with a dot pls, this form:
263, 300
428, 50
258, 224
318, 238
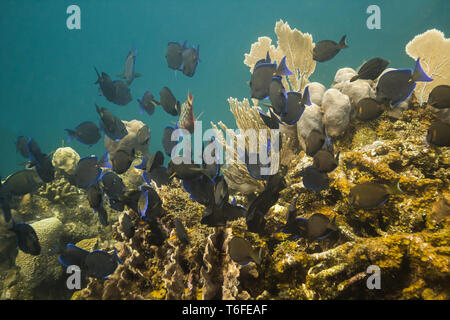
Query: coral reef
65, 160
433, 49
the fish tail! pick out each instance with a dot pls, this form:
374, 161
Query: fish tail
342, 43
282, 69
142, 165
98, 76
394, 188
71, 135
354, 78
306, 100
268, 60
419, 74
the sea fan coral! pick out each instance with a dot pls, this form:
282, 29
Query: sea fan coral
433, 49
295, 45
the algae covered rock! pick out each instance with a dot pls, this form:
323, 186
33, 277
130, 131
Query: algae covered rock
311, 119
38, 270
66, 160
337, 108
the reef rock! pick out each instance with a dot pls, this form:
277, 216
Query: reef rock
344, 74
66, 160
337, 108
311, 119
44, 268
316, 91
356, 90
138, 138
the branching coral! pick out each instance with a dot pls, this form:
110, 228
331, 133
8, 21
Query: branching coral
295, 45
433, 49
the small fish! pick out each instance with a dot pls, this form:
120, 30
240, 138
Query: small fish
87, 172
188, 171
149, 204
87, 133
72, 255
295, 105
324, 161
174, 55
371, 69
371, 195
439, 134
314, 142
168, 101
121, 160
21, 183
278, 95
327, 49
270, 121
190, 60
113, 185
187, 119
201, 189
242, 252
319, 226
122, 94
147, 103
27, 239
368, 109
157, 235
127, 226
21, 146
159, 175
100, 264
167, 142
262, 77
113, 127
107, 88
45, 169
439, 97
95, 199
397, 85
214, 216
313, 179
181, 232
129, 75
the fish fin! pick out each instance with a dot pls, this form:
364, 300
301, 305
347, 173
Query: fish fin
306, 98
104, 162
137, 75
141, 109
98, 76
342, 43
142, 164
282, 69
419, 74
71, 135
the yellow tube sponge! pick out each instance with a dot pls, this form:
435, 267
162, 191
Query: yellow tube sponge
295, 45
433, 49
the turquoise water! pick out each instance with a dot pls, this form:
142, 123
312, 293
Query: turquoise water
47, 77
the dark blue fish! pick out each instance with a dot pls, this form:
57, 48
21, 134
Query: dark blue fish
27, 239
72, 255
200, 189
113, 185
87, 172
190, 60
174, 55
41, 161
100, 264
397, 85
21, 146
159, 175
149, 204
262, 77
295, 105
168, 101
122, 94
318, 226
181, 232
105, 82
327, 49
113, 127
278, 95
167, 142
87, 133
147, 103
314, 180
20, 183
242, 252
95, 199
271, 121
